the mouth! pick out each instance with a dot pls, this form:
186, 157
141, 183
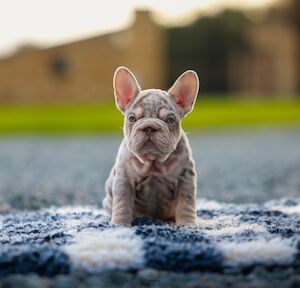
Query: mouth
149, 145
149, 151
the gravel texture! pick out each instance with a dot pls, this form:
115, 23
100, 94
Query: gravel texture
233, 166
260, 277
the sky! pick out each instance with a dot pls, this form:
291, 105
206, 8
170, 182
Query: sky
52, 22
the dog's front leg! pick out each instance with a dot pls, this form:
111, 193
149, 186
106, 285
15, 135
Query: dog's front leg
185, 213
123, 199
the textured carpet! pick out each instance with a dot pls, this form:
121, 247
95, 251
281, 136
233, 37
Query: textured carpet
229, 238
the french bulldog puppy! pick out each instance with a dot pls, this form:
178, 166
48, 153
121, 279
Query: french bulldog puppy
154, 172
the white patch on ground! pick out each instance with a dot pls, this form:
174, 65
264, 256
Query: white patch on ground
276, 250
278, 205
288, 209
75, 209
232, 230
228, 225
203, 203
218, 221
117, 248
71, 225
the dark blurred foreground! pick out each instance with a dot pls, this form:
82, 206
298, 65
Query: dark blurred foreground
260, 278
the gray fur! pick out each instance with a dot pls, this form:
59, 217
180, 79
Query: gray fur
154, 173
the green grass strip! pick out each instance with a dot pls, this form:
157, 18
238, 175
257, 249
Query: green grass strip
208, 114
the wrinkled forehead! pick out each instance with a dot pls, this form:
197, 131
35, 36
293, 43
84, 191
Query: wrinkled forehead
151, 102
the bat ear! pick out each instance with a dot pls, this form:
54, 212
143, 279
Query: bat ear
185, 90
126, 87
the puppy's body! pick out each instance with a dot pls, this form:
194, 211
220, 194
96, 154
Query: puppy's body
154, 185
154, 172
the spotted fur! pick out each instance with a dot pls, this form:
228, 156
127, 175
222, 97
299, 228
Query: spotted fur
154, 173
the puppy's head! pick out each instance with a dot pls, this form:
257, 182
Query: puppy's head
152, 117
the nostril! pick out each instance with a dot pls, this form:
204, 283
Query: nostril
150, 130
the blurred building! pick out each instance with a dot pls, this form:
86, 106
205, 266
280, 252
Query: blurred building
83, 70
231, 54
246, 53
272, 64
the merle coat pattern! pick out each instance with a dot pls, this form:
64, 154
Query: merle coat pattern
154, 172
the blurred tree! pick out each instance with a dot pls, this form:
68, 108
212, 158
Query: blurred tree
205, 46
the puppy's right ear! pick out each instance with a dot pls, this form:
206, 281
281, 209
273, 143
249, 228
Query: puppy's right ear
126, 87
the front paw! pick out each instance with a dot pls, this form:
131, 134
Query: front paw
187, 222
121, 221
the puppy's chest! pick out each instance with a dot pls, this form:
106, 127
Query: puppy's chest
155, 188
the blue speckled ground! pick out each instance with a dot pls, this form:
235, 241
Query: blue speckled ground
68, 240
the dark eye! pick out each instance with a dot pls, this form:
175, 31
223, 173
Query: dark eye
170, 120
131, 119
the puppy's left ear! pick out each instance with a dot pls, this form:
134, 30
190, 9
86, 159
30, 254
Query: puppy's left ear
126, 87
185, 90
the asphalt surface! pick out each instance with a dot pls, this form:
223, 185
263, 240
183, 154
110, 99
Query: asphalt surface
232, 166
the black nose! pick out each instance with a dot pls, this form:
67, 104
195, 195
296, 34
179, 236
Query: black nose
150, 130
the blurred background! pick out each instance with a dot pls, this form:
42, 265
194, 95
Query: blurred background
59, 129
